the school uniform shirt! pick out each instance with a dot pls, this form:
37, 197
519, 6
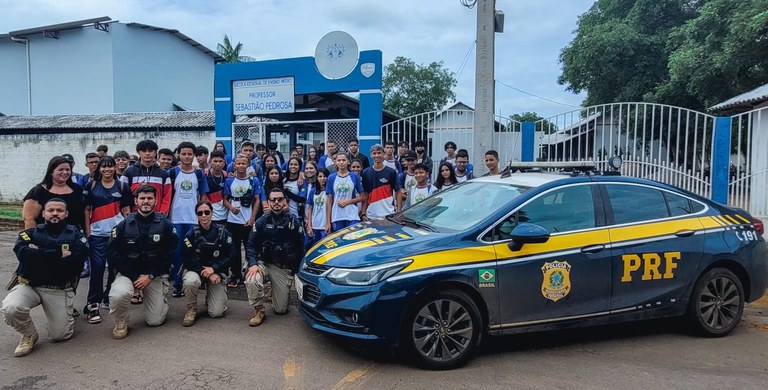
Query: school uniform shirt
106, 204
380, 187
237, 188
344, 187
407, 181
392, 164
138, 175
187, 186
294, 188
417, 194
216, 195
318, 202
466, 176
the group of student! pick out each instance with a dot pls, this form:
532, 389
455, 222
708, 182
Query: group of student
327, 190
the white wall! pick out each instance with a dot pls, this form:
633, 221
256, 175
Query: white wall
13, 78
154, 69
25, 156
72, 74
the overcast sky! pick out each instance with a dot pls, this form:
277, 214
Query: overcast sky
424, 30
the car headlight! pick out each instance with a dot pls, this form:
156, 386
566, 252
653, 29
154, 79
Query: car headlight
366, 276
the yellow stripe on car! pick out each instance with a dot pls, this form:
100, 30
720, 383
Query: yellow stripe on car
343, 250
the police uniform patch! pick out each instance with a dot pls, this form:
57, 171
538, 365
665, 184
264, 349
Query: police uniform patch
114, 233
215, 253
64, 247
83, 240
24, 236
186, 242
156, 237
229, 240
557, 280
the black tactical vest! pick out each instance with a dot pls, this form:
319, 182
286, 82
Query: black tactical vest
144, 248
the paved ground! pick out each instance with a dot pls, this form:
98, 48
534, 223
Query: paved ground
285, 353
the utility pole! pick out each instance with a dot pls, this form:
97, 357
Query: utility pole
485, 91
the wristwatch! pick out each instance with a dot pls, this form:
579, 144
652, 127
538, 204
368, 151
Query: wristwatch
151, 276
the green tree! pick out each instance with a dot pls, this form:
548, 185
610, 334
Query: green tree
411, 89
721, 53
689, 53
232, 53
620, 51
542, 124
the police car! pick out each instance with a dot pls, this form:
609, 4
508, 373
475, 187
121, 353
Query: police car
533, 251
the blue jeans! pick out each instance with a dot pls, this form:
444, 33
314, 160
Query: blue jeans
338, 225
98, 260
309, 241
181, 230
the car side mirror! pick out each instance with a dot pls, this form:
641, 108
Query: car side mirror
527, 233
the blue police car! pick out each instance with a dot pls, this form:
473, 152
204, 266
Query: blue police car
532, 251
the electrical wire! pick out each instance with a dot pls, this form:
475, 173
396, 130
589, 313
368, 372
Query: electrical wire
536, 96
466, 58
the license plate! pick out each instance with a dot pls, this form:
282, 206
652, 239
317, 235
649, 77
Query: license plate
299, 287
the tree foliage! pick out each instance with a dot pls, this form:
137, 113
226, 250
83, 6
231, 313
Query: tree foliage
541, 123
691, 53
232, 53
410, 88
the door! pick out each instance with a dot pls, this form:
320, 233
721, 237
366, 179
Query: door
566, 277
656, 250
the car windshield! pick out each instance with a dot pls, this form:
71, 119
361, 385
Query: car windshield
460, 207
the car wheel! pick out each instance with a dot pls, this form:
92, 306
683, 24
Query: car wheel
442, 330
717, 303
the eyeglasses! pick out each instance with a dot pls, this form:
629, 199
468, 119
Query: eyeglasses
200, 213
461, 162
280, 199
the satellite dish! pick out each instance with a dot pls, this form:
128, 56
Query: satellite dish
336, 55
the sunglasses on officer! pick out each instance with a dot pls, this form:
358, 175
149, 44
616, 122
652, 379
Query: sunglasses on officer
200, 213
277, 199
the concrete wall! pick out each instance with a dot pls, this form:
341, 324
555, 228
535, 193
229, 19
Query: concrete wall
154, 69
13, 78
72, 74
25, 156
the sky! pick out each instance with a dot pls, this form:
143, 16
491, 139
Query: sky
424, 30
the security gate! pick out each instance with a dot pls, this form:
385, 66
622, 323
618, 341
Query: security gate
290, 133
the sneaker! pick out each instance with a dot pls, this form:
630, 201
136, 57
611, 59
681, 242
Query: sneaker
26, 344
75, 313
177, 293
93, 313
121, 330
258, 317
105, 305
233, 283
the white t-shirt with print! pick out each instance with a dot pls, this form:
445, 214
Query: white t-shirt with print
185, 190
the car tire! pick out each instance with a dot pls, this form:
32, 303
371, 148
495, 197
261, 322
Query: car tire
716, 304
442, 330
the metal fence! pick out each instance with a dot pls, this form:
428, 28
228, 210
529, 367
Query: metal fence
658, 142
748, 168
438, 127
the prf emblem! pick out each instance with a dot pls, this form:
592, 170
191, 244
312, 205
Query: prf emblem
557, 280
652, 266
64, 247
156, 238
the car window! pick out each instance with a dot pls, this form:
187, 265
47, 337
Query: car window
561, 210
463, 206
678, 205
636, 203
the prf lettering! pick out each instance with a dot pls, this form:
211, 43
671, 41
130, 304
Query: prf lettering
651, 264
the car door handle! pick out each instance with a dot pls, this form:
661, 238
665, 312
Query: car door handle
685, 233
592, 248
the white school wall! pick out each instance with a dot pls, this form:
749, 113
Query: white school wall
24, 157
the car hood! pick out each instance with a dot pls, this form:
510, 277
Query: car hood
374, 242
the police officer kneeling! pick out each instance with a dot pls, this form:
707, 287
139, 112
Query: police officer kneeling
141, 250
275, 246
50, 260
206, 252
